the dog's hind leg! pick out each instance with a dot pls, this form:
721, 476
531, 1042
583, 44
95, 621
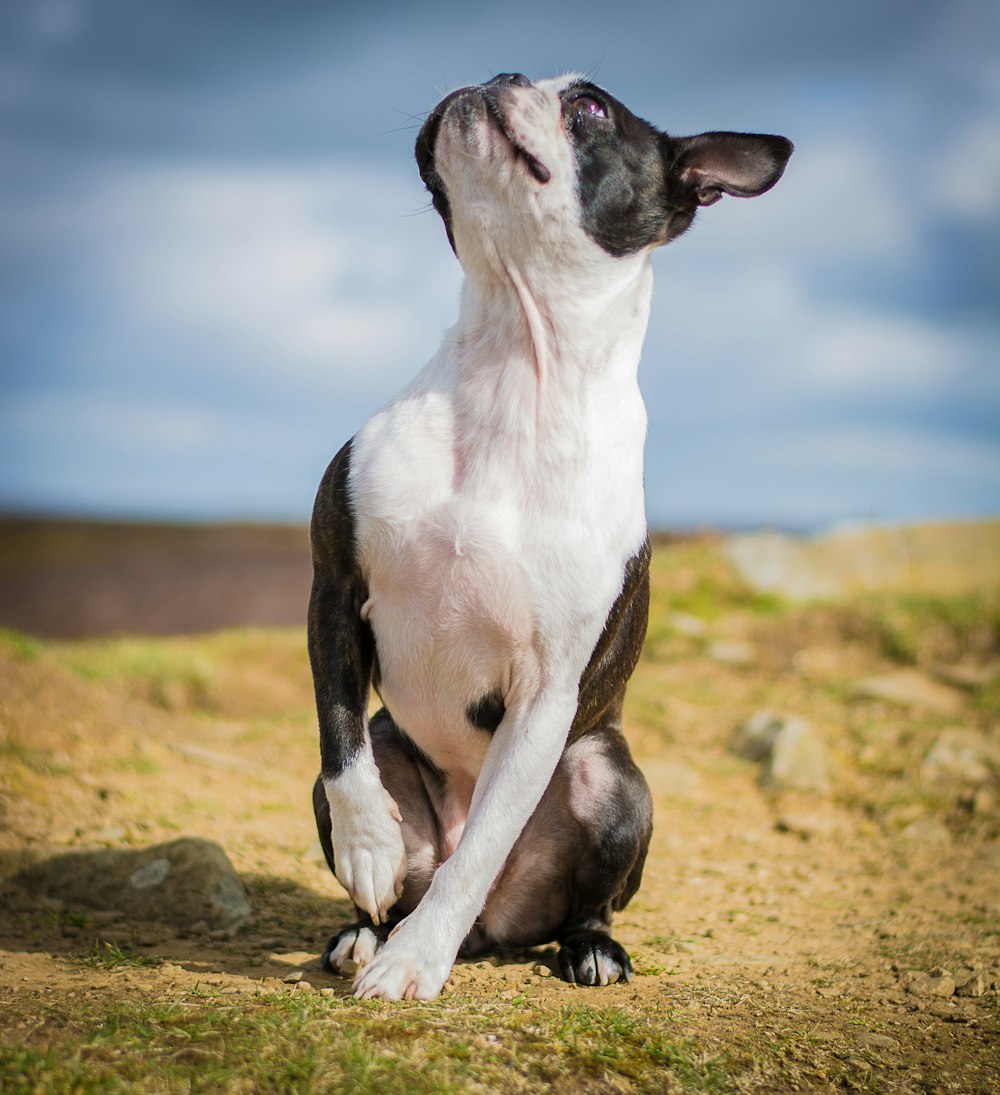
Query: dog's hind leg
617, 824
578, 861
405, 776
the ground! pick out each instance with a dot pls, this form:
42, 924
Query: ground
782, 939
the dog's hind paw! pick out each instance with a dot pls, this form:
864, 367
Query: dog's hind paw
357, 944
593, 958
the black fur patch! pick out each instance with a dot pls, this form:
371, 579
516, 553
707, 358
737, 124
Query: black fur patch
486, 712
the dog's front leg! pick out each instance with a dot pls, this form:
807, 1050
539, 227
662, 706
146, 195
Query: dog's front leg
525, 750
368, 852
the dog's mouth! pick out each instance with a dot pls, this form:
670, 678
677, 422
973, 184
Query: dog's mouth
540, 172
428, 138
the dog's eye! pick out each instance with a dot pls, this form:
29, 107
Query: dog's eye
587, 104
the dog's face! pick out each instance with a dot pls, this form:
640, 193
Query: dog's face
562, 167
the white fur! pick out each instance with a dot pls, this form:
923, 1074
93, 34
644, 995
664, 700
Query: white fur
497, 500
369, 857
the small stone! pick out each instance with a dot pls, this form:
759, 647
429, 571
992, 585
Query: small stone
736, 655
684, 623
541, 970
971, 986
969, 677
793, 756
327, 992
294, 977
303, 986
910, 688
937, 982
348, 968
961, 754
927, 832
877, 1041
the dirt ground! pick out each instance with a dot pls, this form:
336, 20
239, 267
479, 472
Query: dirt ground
789, 940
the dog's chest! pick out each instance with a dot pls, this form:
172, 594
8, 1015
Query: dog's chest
491, 562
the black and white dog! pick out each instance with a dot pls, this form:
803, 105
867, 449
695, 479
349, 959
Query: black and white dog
480, 549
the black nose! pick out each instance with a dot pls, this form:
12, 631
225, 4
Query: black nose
510, 79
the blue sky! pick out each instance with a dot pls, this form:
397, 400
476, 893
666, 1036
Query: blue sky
217, 259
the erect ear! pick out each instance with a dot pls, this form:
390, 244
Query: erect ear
741, 164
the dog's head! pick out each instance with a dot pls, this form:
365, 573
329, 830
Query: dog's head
561, 165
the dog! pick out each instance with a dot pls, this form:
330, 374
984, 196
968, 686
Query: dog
481, 556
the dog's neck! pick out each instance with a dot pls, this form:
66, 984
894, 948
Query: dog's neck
557, 328
532, 360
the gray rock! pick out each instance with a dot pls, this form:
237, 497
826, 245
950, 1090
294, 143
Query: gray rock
732, 653
974, 985
937, 982
788, 747
965, 755
910, 688
948, 558
186, 883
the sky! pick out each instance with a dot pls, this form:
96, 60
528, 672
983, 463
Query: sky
217, 258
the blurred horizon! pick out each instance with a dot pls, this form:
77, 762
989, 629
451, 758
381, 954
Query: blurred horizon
217, 258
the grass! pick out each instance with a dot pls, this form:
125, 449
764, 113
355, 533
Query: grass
113, 956
300, 1042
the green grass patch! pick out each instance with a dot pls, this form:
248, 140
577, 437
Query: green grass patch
301, 1042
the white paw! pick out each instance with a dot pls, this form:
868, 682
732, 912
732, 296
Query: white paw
368, 852
402, 972
358, 946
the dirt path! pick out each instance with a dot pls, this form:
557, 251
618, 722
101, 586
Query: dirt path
787, 940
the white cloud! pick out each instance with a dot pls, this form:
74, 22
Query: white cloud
967, 178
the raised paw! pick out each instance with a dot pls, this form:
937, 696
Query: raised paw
357, 944
593, 958
368, 851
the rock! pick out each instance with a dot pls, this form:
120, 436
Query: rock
737, 655
947, 558
541, 970
927, 832
960, 754
683, 623
808, 825
793, 756
294, 977
937, 982
188, 883
969, 677
974, 985
910, 688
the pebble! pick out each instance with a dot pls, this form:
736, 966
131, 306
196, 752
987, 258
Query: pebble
684, 623
910, 688
961, 754
792, 753
294, 977
736, 655
303, 986
541, 970
936, 982
971, 986
348, 968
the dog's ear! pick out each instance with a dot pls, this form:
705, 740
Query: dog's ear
741, 164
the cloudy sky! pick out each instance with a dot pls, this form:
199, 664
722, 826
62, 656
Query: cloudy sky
216, 257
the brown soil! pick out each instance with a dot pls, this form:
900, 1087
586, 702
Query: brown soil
769, 926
